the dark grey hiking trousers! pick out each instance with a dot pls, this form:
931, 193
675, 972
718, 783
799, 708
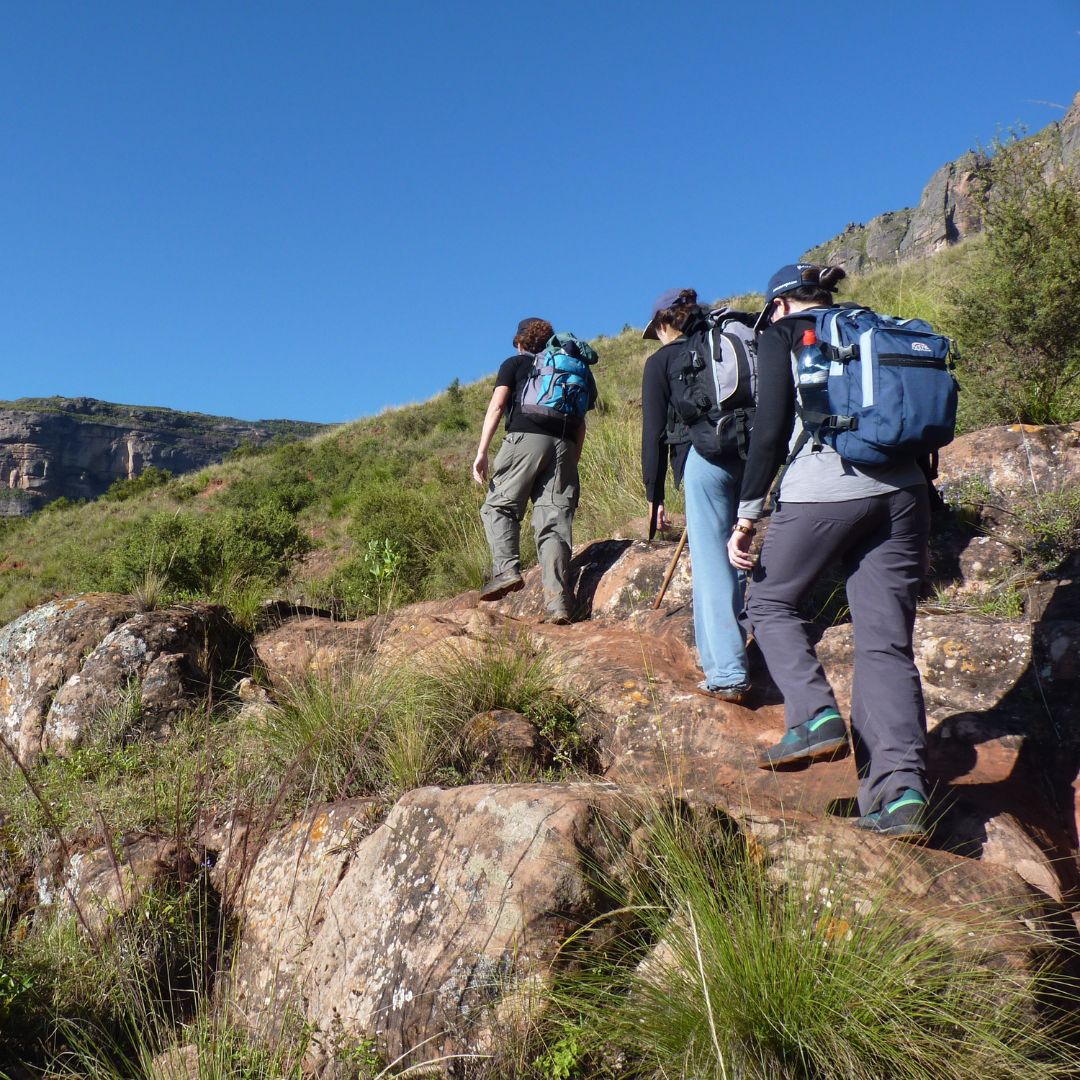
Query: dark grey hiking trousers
881, 542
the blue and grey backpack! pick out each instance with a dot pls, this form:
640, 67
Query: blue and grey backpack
560, 385
892, 393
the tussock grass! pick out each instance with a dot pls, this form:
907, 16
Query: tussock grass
378, 730
710, 968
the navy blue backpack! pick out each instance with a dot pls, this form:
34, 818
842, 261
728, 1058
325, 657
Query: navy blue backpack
892, 394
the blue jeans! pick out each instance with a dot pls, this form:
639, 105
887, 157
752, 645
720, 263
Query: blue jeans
712, 493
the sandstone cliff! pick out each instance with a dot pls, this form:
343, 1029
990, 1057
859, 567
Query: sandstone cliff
77, 447
947, 212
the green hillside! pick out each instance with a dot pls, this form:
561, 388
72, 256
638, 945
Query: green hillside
383, 511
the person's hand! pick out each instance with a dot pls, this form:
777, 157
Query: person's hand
480, 468
738, 546
662, 520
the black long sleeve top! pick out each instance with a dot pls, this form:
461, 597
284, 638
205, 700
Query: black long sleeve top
655, 399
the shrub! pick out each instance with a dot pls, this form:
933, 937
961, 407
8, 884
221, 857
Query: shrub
151, 477
191, 555
1017, 312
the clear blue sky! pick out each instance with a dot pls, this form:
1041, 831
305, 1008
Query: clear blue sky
313, 210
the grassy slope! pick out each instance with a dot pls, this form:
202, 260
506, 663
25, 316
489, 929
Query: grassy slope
401, 476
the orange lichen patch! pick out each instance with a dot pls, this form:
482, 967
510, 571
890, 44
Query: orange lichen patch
1027, 428
318, 828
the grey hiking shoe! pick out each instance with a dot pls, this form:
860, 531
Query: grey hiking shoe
823, 738
735, 692
904, 818
497, 587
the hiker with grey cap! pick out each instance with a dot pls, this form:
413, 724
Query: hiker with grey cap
538, 461
711, 485
873, 519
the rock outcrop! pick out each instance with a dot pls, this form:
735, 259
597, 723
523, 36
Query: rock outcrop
947, 212
65, 664
77, 447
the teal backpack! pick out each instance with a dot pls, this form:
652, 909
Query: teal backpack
560, 385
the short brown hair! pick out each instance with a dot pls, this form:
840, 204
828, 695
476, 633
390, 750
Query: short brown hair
534, 335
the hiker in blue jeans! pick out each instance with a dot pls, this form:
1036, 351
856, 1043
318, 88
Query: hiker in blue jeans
875, 521
711, 486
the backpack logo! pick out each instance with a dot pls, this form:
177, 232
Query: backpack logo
920, 346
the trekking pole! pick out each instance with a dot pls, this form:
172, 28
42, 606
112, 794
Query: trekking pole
670, 570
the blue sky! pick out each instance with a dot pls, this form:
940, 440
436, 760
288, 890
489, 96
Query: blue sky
314, 210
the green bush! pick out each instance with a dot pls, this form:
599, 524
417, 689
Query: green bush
1017, 311
151, 477
195, 555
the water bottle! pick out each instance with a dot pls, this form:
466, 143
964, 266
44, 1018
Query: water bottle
813, 369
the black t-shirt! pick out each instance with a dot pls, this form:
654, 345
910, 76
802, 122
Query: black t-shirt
513, 372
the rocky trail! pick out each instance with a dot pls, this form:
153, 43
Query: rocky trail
424, 925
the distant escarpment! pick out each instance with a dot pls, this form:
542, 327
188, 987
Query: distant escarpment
77, 447
948, 211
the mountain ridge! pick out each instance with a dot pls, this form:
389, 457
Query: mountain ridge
948, 210
75, 448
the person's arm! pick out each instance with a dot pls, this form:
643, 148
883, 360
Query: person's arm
496, 407
579, 439
773, 422
654, 406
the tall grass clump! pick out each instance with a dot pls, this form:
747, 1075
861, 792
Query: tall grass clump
369, 729
719, 971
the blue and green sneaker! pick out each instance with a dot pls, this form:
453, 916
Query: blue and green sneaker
822, 738
903, 818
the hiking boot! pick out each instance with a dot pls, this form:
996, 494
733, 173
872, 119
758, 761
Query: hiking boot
735, 692
904, 818
824, 738
497, 587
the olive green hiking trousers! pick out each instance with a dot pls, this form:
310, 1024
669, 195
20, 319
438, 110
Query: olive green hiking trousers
543, 469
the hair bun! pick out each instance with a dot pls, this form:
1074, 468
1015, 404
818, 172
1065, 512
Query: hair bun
831, 276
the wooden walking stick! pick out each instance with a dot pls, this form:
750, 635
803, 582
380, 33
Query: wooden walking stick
670, 570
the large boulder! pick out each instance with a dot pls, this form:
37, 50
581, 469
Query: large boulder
40, 651
413, 932
65, 664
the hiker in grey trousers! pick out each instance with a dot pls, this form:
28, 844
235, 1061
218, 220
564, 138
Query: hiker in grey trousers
538, 460
875, 521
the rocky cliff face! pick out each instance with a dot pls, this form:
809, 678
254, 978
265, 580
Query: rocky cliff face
77, 447
947, 212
